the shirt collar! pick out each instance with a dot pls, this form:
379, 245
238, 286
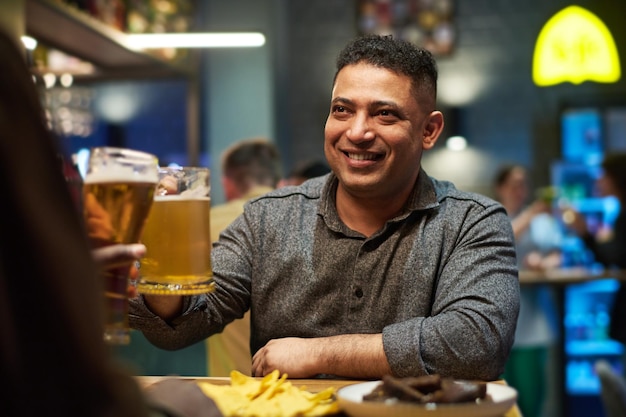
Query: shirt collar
423, 197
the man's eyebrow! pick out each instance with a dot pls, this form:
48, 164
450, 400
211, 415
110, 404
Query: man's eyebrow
341, 100
381, 103
378, 103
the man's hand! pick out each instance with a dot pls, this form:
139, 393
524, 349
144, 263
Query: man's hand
348, 355
294, 356
120, 259
113, 256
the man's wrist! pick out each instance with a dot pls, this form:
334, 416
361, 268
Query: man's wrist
167, 307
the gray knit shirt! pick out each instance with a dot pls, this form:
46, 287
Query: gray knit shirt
439, 281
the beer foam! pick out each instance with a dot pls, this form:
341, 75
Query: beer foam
121, 175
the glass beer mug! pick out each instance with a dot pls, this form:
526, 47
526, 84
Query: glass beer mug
118, 192
178, 235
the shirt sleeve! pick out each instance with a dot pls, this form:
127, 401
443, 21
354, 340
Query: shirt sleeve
205, 314
181, 332
475, 307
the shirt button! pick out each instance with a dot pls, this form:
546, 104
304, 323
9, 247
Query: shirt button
358, 293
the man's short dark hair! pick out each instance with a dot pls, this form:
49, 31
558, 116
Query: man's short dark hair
399, 56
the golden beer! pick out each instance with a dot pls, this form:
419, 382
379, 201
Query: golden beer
115, 212
178, 235
178, 238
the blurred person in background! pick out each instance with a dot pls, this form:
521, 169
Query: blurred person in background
250, 168
537, 233
609, 249
537, 241
305, 171
52, 354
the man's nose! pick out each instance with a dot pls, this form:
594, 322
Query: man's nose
360, 129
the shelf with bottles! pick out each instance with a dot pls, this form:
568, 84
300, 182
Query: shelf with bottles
71, 30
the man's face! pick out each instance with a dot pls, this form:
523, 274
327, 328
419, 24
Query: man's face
376, 132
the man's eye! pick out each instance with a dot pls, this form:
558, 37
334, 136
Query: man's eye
386, 113
339, 109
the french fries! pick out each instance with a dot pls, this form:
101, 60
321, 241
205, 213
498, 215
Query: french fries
271, 396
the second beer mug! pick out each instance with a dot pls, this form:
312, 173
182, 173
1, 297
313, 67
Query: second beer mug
177, 235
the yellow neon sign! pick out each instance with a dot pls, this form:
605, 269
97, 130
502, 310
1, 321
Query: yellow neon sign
575, 46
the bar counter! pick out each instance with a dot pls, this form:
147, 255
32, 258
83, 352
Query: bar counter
312, 385
559, 280
572, 275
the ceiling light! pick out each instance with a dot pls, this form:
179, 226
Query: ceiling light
456, 143
29, 43
195, 40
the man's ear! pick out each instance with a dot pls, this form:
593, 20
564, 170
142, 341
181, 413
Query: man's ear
432, 130
231, 191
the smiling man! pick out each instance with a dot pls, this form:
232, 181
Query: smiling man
373, 269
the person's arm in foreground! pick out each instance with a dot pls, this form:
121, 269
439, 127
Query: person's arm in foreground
180, 398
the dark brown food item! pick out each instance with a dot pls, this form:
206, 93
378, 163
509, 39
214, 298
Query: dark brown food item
427, 389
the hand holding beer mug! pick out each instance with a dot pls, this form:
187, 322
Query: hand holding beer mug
178, 235
118, 193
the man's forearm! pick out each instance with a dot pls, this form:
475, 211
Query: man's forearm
349, 356
354, 356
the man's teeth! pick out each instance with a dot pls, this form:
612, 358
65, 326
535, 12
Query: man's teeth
362, 157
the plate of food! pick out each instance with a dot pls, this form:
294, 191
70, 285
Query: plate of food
427, 396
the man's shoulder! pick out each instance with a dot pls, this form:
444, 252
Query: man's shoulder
309, 190
447, 190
